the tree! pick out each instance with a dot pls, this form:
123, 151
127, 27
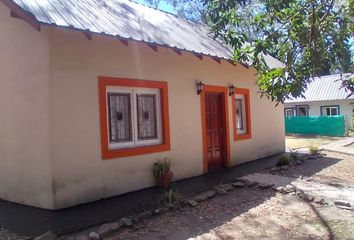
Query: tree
311, 38
192, 9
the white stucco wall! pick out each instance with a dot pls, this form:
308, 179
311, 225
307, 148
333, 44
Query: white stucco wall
80, 174
25, 166
345, 108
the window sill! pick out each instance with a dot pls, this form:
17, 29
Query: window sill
242, 137
110, 154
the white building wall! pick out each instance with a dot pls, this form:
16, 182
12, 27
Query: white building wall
80, 174
25, 165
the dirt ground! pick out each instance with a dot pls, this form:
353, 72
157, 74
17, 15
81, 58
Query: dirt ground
297, 141
251, 213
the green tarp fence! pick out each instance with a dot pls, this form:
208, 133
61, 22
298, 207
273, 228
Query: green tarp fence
316, 125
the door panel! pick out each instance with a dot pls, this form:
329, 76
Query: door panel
214, 130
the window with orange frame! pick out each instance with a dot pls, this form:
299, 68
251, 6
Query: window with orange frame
241, 114
134, 117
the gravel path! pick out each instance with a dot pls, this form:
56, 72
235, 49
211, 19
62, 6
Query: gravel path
250, 213
191, 222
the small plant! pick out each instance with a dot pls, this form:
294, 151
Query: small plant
314, 150
283, 160
162, 172
293, 156
170, 198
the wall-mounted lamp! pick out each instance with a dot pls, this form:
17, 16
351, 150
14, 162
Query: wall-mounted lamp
231, 89
200, 87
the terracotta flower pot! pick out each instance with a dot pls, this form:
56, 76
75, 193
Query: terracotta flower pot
166, 178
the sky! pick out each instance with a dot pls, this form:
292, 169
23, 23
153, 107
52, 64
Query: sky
163, 6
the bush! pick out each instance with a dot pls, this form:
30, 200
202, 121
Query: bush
314, 150
293, 156
283, 160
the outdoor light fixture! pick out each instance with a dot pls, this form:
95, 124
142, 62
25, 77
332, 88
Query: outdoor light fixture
231, 89
200, 87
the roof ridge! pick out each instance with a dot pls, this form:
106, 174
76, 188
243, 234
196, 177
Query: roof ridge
165, 12
332, 75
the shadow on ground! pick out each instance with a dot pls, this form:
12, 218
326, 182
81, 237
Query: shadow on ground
32, 221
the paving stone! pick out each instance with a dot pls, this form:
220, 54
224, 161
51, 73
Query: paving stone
344, 207
308, 197
126, 222
241, 180
145, 214
250, 183
274, 169
285, 167
115, 226
289, 189
226, 187
318, 200
264, 185
220, 191
210, 193
279, 189
46, 236
238, 184
104, 229
342, 203
299, 192
192, 203
201, 197
93, 236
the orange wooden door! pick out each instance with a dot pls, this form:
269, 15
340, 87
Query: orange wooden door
214, 130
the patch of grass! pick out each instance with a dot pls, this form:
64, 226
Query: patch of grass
283, 160
314, 150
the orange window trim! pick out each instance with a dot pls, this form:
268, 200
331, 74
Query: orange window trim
248, 134
224, 91
103, 82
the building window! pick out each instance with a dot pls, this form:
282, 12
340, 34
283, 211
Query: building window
242, 115
134, 117
302, 111
329, 110
289, 112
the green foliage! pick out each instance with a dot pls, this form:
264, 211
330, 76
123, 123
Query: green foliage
170, 198
311, 38
293, 156
314, 150
161, 167
283, 160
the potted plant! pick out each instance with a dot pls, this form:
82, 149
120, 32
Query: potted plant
163, 173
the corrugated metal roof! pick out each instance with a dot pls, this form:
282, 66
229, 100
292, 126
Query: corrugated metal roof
323, 88
130, 20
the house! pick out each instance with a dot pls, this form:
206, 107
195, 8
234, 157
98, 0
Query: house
323, 97
94, 92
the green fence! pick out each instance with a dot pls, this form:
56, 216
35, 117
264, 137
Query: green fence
313, 125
